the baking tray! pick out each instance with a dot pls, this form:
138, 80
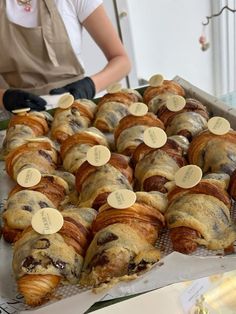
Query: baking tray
75, 300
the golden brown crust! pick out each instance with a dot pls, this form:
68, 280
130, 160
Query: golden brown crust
37, 289
192, 105
123, 98
232, 185
10, 235
184, 239
36, 123
141, 217
118, 161
28, 147
128, 121
167, 87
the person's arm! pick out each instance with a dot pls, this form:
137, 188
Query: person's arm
103, 33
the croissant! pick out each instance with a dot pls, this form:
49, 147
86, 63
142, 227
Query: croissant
116, 174
111, 109
69, 121
189, 121
41, 262
40, 155
23, 127
200, 216
22, 203
155, 97
145, 218
214, 153
116, 251
129, 132
155, 168
74, 148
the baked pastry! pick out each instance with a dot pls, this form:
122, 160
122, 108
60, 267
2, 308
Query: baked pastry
116, 174
23, 127
143, 216
74, 149
200, 216
23, 203
69, 121
129, 132
111, 109
117, 251
214, 153
155, 168
41, 262
155, 97
189, 121
41, 155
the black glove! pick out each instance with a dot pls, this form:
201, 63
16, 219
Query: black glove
84, 88
17, 99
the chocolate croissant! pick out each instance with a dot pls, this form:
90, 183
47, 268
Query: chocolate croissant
23, 127
214, 153
23, 203
200, 216
69, 121
41, 155
155, 168
143, 216
74, 149
42, 262
155, 97
129, 132
111, 109
116, 174
117, 251
189, 121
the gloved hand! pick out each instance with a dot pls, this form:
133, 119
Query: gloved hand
17, 99
84, 88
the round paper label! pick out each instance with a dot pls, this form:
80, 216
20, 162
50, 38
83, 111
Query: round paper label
138, 109
98, 155
154, 137
47, 221
188, 176
122, 198
156, 80
175, 103
29, 177
218, 125
114, 88
22, 110
66, 101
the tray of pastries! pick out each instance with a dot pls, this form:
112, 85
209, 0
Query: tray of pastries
99, 193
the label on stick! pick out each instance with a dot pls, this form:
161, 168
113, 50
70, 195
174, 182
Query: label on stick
29, 177
218, 125
175, 103
66, 101
188, 176
156, 80
98, 155
121, 198
138, 109
154, 137
47, 221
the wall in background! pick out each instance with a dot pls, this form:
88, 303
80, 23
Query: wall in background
165, 36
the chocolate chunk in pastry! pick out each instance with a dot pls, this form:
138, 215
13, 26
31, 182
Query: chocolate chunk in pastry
155, 97
156, 167
116, 251
200, 216
111, 109
116, 174
74, 149
129, 132
69, 121
41, 262
214, 153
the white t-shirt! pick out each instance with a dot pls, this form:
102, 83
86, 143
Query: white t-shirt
73, 13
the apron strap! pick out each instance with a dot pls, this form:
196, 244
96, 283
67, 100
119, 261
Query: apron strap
47, 7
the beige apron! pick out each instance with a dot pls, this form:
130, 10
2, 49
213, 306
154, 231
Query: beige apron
40, 58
